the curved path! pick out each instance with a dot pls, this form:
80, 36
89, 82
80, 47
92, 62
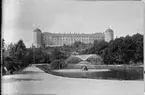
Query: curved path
34, 81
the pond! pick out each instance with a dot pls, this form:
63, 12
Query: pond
110, 74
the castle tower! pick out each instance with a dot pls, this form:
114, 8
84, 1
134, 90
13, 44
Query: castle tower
109, 35
37, 37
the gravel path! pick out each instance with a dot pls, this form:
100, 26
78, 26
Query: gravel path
34, 81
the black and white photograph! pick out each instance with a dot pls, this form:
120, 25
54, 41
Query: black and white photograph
72, 47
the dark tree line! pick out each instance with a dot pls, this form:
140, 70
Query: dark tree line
16, 56
123, 50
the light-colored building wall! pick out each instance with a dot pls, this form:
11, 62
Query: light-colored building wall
109, 35
37, 38
58, 39
68, 39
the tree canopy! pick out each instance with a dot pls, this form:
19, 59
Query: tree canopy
121, 50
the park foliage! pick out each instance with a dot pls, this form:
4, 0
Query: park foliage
124, 50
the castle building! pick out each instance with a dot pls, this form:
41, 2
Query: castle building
109, 35
59, 39
37, 37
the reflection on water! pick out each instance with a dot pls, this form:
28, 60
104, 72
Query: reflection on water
131, 74
117, 73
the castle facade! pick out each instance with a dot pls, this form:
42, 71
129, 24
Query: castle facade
59, 39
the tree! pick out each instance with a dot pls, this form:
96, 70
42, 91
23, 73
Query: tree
120, 50
12, 50
98, 47
138, 53
57, 54
18, 52
3, 49
58, 64
28, 58
20, 49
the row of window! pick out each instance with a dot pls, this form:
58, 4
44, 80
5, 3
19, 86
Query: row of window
61, 37
70, 40
74, 39
68, 43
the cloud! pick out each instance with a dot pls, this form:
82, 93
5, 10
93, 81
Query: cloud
72, 23
65, 16
10, 14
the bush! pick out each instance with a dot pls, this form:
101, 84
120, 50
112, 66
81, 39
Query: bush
73, 60
27, 60
58, 64
8, 59
8, 63
95, 60
14, 64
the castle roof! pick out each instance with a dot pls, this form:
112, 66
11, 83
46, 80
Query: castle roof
37, 30
72, 34
109, 30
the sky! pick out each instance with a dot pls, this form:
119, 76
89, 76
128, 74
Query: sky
21, 17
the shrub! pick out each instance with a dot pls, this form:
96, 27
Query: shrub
8, 58
95, 60
58, 64
8, 63
73, 60
27, 60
